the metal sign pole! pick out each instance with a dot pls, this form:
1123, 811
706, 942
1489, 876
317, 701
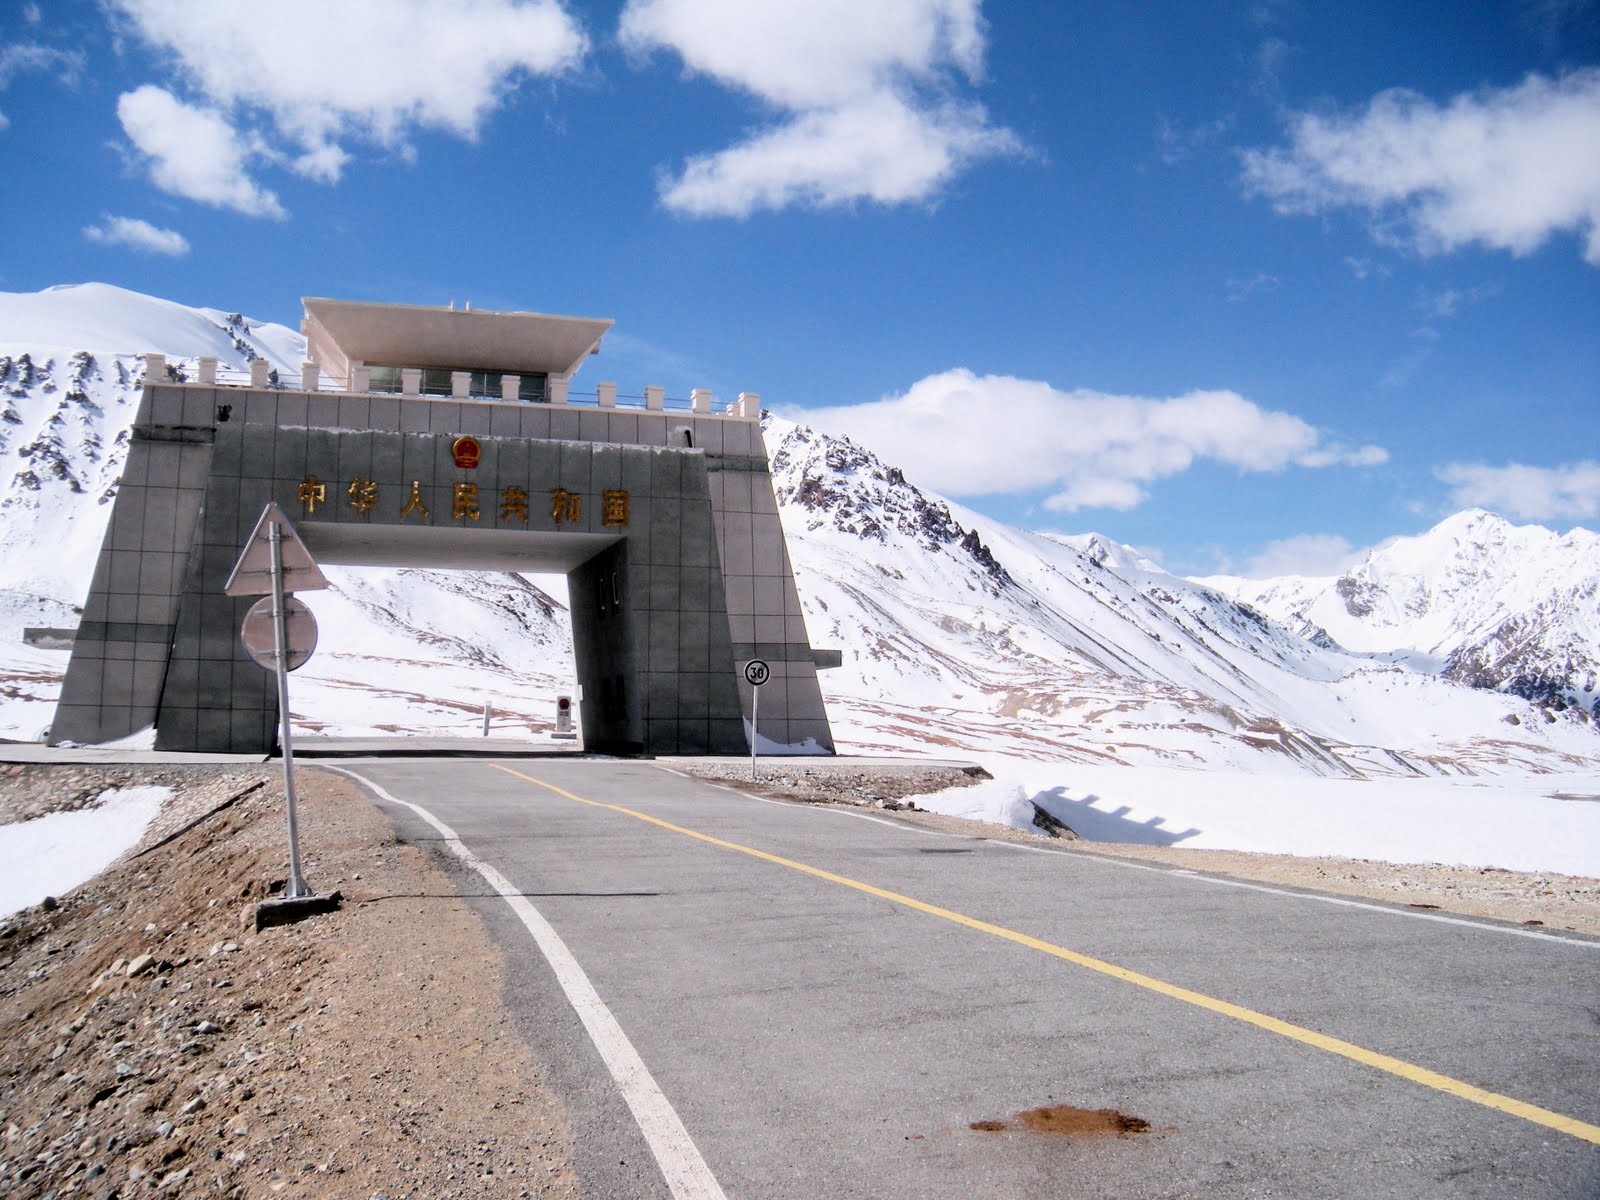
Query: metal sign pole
755, 736
296, 885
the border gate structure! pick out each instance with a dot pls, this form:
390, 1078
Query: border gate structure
450, 438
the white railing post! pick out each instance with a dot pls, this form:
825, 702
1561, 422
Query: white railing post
607, 393
310, 376
510, 387
155, 368
207, 371
750, 405
700, 400
558, 391
260, 368
655, 398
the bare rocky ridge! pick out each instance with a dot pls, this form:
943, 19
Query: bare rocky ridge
152, 1044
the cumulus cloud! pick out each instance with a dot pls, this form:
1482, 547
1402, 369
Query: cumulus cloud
138, 235
1570, 492
971, 435
1308, 554
866, 93
194, 152
319, 75
1507, 168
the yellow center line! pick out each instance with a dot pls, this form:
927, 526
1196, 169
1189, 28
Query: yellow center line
1310, 1037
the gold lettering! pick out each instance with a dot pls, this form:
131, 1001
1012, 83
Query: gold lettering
363, 495
514, 504
312, 493
415, 504
614, 508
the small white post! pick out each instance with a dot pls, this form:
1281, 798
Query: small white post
655, 398
750, 405
411, 381
558, 391
700, 400
260, 368
607, 393
510, 387
155, 368
460, 385
310, 376
207, 371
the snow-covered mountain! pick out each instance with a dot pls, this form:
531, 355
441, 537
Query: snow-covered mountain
1476, 599
957, 627
958, 633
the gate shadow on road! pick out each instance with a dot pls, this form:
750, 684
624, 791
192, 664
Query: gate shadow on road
1094, 825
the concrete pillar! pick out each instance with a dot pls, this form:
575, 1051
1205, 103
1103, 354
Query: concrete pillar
411, 381
310, 376
260, 368
207, 371
607, 393
510, 387
750, 405
558, 390
655, 398
460, 385
155, 368
700, 400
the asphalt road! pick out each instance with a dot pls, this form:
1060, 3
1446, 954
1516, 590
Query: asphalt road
819, 1040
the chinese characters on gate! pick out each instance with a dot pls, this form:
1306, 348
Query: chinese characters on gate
566, 507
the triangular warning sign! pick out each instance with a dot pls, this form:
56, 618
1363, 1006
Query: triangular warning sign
252, 574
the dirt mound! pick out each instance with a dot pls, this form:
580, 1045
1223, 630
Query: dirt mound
152, 1044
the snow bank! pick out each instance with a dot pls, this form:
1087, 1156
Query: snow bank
54, 854
1528, 823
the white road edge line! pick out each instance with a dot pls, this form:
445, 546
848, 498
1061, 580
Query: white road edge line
1112, 861
686, 1172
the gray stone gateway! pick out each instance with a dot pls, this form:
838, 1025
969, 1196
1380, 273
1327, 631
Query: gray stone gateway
445, 438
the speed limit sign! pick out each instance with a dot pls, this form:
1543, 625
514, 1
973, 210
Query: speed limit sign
756, 672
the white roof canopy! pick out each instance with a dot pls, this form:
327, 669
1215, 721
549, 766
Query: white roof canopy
462, 339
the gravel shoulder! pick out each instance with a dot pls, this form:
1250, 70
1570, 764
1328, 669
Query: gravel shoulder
152, 1043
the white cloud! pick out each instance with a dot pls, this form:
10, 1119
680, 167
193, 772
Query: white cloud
369, 70
881, 149
138, 235
1508, 168
970, 435
193, 152
19, 57
1569, 492
5, 122
866, 93
1308, 554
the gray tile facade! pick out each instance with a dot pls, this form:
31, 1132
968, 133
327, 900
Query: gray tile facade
675, 556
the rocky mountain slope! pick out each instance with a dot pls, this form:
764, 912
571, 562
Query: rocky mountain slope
958, 632
958, 627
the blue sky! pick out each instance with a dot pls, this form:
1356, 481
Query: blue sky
1253, 286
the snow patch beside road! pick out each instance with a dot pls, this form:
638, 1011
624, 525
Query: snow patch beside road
55, 853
